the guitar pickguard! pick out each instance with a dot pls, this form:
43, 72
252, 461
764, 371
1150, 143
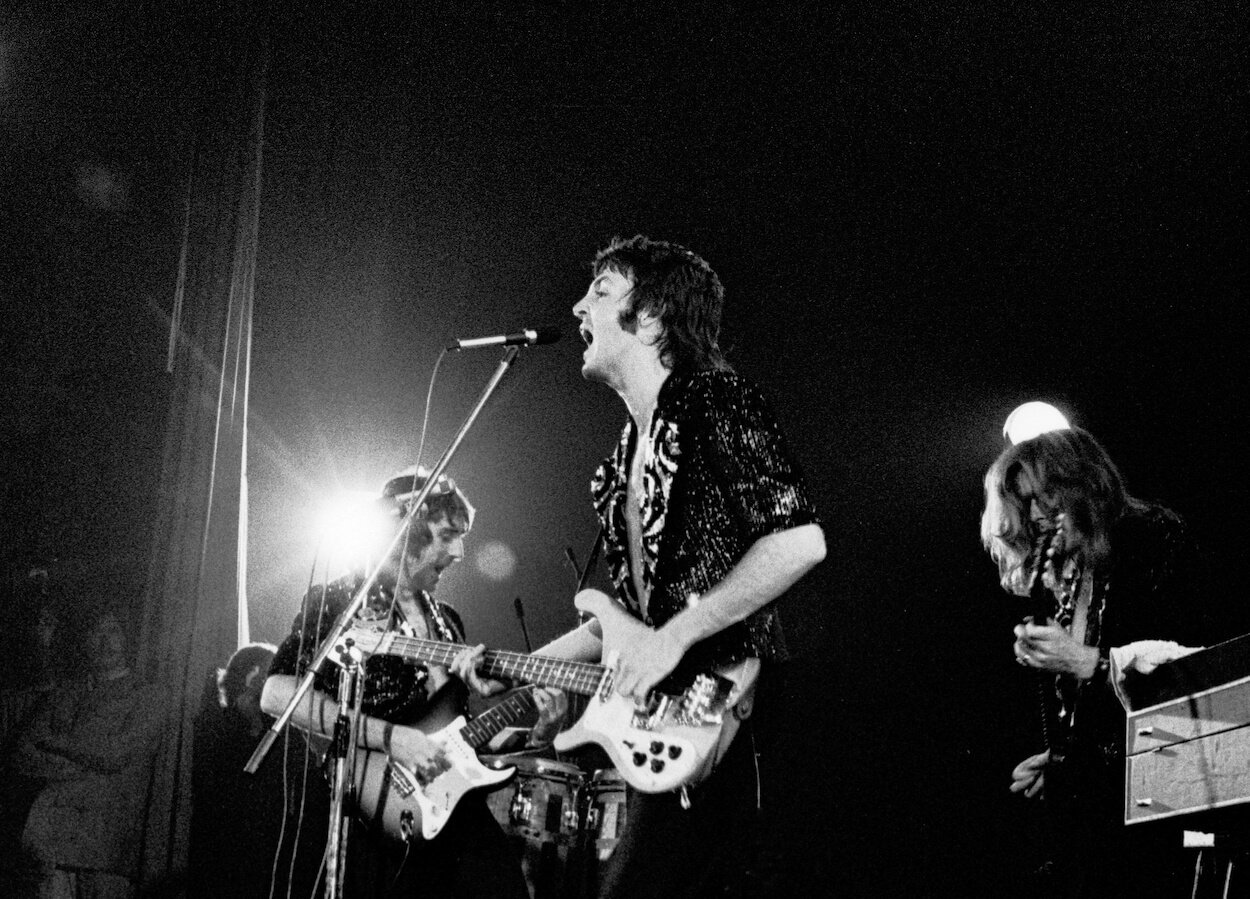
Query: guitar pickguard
394, 797
671, 743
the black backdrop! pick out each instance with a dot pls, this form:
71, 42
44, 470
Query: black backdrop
922, 218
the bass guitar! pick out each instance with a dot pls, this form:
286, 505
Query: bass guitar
672, 743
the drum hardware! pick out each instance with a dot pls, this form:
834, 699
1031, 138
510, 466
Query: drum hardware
559, 816
563, 823
605, 812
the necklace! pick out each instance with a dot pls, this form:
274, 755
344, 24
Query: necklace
1068, 592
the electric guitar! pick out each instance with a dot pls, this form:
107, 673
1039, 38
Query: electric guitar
391, 794
671, 743
1043, 607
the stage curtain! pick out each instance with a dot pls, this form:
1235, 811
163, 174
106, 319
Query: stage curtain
194, 612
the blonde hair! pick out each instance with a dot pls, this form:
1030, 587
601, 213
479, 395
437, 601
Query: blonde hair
1068, 472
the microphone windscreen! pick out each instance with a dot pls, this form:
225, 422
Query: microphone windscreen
549, 334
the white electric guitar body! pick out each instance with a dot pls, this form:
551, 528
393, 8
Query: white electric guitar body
675, 740
392, 795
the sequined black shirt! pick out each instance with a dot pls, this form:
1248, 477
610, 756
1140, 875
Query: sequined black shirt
1149, 589
394, 687
717, 477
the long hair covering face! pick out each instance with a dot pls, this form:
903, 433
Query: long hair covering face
1066, 472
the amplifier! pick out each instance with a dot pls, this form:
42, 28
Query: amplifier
1191, 753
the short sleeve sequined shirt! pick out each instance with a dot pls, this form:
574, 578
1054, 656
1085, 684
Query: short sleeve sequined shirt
717, 476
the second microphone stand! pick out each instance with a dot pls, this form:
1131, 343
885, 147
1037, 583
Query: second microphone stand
343, 786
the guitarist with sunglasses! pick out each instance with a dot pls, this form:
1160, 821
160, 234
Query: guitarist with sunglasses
1112, 581
706, 521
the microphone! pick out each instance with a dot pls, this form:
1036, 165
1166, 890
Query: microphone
528, 337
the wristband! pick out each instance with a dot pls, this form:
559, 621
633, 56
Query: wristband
1102, 669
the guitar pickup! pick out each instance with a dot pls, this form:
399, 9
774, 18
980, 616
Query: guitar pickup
652, 717
605, 685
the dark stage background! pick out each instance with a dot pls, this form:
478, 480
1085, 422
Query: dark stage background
923, 218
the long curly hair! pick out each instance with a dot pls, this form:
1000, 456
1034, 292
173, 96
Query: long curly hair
1066, 472
680, 289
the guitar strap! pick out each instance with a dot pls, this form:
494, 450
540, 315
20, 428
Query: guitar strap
435, 614
592, 559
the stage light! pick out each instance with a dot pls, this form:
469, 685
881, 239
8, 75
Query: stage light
354, 528
1027, 421
495, 561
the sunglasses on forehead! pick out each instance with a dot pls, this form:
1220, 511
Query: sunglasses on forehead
404, 487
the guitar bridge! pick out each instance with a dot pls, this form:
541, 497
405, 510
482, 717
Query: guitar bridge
702, 702
403, 781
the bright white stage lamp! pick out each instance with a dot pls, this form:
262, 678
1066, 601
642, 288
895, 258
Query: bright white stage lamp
1027, 421
354, 529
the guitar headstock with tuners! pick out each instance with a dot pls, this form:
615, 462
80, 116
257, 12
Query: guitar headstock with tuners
1047, 548
361, 640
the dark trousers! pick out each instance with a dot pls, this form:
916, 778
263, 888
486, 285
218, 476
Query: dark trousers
669, 852
1094, 855
471, 858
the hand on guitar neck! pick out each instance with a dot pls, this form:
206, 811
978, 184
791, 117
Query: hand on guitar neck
551, 703
1041, 642
1048, 647
644, 656
466, 665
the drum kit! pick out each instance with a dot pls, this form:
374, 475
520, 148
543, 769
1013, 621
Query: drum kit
563, 822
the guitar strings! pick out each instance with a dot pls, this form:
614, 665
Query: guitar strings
580, 677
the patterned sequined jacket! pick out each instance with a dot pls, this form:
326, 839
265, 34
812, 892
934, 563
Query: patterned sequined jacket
718, 477
394, 687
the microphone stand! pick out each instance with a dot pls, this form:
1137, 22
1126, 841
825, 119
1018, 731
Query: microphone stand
351, 694
343, 622
520, 616
583, 576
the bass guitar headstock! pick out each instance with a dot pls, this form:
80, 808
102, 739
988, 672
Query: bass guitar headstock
357, 641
